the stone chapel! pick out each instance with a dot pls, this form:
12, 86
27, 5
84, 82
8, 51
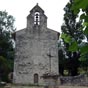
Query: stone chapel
36, 50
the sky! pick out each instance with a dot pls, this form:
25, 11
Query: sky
21, 8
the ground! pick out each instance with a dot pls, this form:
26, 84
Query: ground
13, 86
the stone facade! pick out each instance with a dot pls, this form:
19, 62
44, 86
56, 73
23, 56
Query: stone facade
36, 50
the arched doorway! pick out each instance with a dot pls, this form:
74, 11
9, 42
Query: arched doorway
36, 78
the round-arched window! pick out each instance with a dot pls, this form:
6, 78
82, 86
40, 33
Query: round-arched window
37, 18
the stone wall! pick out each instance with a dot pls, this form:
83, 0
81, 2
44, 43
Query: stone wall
81, 80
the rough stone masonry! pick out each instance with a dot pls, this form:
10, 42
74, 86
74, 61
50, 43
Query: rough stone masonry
36, 50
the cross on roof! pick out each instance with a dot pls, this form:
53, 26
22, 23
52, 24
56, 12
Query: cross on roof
37, 4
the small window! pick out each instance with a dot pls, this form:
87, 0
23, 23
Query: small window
37, 18
36, 78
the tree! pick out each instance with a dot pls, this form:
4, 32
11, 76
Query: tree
61, 58
4, 69
6, 29
6, 38
82, 6
72, 35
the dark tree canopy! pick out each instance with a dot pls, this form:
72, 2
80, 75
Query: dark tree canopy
82, 5
71, 34
6, 42
6, 30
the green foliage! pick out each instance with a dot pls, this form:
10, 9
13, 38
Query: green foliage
80, 4
6, 30
77, 7
83, 5
66, 37
73, 47
84, 49
72, 36
6, 22
6, 44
